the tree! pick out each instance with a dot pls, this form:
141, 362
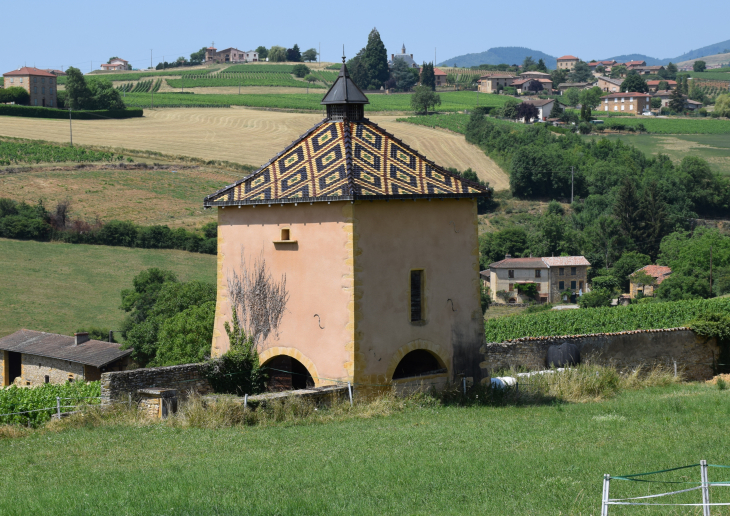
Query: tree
630, 262
293, 54
300, 70
682, 83
595, 298
676, 101
509, 109
310, 55
104, 96
14, 94
634, 83
277, 54
558, 76
494, 246
722, 105
527, 111
656, 103
528, 64
618, 71
198, 57
78, 95
585, 115
642, 279
427, 76
654, 215
185, 337
699, 66
358, 72
541, 66
423, 98
600, 69
310, 79
535, 86
580, 73
375, 59
663, 86
627, 209
404, 76
591, 97
262, 52
572, 95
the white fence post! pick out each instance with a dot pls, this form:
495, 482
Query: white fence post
58, 407
604, 502
349, 392
245, 401
705, 489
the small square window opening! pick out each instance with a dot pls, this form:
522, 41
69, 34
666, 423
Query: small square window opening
285, 234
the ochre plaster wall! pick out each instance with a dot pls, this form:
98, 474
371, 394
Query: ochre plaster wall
391, 239
319, 278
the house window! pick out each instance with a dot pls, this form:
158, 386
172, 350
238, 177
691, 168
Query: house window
580, 285
285, 234
622, 107
416, 295
561, 285
46, 379
631, 106
12, 80
510, 273
615, 108
537, 273
561, 272
572, 285
50, 103
538, 285
572, 271
511, 287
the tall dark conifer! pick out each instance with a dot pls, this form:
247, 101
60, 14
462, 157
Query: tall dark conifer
427, 76
375, 59
627, 209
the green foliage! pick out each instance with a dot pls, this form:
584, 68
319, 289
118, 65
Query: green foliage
427, 76
677, 101
29, 151
293, 54
712, 324
96, 333
634, 83
591, 97
509, 109
424, 98
528, 290
722, 105
374, 59
97, 93
572, 95
300, 70
263, 52
21, 399
699, 66
277, 54
656, 103
618, 71
494, 246
580, 73
625, 266
47, 112
310, 55
595, 298
198, 57
610, 283
484, 298
601, 320
402, 76
153, 304
14, 94
238, 371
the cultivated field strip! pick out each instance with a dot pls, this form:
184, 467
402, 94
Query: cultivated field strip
241, 135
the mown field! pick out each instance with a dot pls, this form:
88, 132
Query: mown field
62, 287
450, 101
714, 148
172, 197
428, 460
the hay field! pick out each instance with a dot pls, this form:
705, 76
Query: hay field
241, 135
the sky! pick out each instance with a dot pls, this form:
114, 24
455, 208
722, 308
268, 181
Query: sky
85, 33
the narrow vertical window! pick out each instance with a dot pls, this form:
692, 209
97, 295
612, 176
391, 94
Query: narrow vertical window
417, 295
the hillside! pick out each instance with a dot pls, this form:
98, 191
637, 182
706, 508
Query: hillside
650, 61
500, 55
710, 50
717, 59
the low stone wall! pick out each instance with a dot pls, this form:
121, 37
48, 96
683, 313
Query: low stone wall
695, 356
316, 395
185, 378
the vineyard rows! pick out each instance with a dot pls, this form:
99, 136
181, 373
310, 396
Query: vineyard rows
601, 320
135, 76
240, 79
22, 399
12, 152
713, 74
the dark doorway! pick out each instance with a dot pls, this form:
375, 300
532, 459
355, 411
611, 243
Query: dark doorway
287, 373
418, 363
15, 368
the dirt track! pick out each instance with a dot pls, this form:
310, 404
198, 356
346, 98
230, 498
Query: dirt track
241, 135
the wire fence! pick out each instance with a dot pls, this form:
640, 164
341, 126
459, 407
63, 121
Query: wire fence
703, 485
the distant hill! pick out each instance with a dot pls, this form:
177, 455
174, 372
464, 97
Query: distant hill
500, 55
717, 59
650, 61
718, 48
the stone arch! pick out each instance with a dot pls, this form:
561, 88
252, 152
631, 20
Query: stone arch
271, 353
420, 344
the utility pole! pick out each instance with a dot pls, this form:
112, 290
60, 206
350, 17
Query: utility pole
572, 183
70, 127
710, 270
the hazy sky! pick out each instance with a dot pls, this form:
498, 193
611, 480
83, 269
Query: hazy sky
85, 33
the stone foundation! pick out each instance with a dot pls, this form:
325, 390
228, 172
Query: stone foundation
695, 356
184, 378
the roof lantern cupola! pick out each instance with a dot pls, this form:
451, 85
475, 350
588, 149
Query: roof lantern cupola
345, 100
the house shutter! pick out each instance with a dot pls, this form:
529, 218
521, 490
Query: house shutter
416, 295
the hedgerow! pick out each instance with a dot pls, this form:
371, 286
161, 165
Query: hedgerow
22, 399
47, 112
602, 320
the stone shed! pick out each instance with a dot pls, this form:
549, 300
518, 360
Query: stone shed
31, 358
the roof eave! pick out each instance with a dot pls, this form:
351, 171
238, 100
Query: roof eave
340, 198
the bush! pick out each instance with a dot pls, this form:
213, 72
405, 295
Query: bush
300, 70
595, 298
14, 94
47, 112
585, 128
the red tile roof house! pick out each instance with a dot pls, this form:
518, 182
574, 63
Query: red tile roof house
552, 276
116, 64
658, 272
438, 74
634, 64
629, 102
544, 108
654, 85
41, 85
30, 358
567, 62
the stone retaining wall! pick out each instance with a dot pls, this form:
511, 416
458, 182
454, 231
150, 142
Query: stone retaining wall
695, 356
185, 378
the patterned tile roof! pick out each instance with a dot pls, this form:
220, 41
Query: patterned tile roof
343, 160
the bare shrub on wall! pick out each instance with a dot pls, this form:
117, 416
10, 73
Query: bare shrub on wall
258, 300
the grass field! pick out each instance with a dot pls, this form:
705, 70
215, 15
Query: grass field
172, 197
721, 74
456, 122
450, 101
513, 460
676, 125
62, 287
241, 136
243, 79
714, 148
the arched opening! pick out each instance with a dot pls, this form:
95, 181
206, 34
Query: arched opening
287, 373
418, 362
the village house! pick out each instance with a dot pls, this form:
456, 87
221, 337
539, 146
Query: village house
494, 83
407, 58
658, 272
57, 73
608, 84
438, 75
648, 70
40, 85
564, 86
552, 277
116, 64
631, 65
666, 98
230, 55
567, 62
544, 108
32, 358
654, 85
534, 75
373, 296
606, 64
628, 102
